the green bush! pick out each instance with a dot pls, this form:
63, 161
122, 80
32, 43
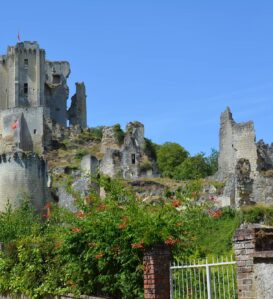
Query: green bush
96, 251
169, 156
150, 149
195, 167
118, 134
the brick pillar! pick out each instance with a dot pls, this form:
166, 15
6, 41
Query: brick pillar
244, 245
254, 259
157, 272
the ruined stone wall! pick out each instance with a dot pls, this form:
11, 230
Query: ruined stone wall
77, 112
123, 160
265, 156
226, 161
22, 174
244, 144
29, 133
236, 141
56, 90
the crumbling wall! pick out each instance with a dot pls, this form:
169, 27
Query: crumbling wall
108, 139
22, 128
226, 160
111, 163
125, 159
132, 150
245, 166
265, 156
237, 140
22, 175
77, 112
56, 90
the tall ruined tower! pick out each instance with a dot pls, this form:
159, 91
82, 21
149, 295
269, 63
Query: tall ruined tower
237, 140
33, 100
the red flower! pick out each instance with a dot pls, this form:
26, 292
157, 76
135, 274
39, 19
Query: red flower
176, 203
48, 205
139, 245
80, 214
122, 225
101, 207
171, 241
215, 214
46, 216
99, 256
75, 229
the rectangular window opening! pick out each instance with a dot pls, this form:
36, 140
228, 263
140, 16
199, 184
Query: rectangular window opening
133, 158
56, 79
34, 131
26, 63
25, 89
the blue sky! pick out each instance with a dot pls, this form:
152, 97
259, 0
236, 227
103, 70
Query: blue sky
172, 64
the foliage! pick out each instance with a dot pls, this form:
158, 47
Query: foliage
96, 251
81, 153
145, 165
169, 156
191, 189
257, 214
174, 162
91, 134
214, 234
195, 167
99, 249
212, 161
96, 133
150, 149
118, 134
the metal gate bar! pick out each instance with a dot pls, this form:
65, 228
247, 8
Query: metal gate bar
204, 280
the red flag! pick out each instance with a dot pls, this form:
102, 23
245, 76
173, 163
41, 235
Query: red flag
18, 37
15, 125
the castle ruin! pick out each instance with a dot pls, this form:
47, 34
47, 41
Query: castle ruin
34, 119
33, 102
246, 166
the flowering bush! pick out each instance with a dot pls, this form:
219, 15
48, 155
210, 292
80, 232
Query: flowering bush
96, 251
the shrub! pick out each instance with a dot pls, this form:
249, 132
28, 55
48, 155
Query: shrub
118, 134
169, 156
194, 167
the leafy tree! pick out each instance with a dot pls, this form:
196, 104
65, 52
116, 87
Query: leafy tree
169, 156
195, 167
212, 161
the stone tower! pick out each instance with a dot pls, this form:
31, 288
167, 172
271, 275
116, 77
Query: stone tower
237, 140
33, 101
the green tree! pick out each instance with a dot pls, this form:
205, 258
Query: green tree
212, 161
195, 167
169, 156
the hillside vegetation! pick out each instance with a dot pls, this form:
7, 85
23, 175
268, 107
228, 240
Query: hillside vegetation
99, 249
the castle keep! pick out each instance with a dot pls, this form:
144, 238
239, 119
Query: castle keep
33, 102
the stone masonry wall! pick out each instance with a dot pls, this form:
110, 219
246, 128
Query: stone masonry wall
236, 141
254, 256
22, 174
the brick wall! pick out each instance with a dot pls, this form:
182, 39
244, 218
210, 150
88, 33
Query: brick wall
157, 272
254, 256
